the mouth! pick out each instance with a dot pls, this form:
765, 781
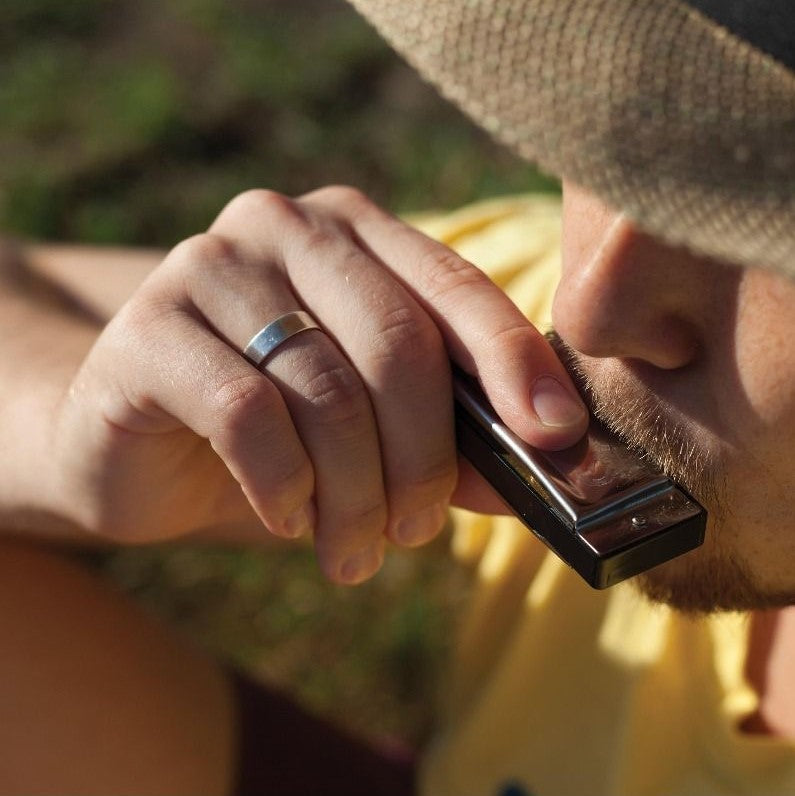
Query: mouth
642, 420
596, 405
570, 359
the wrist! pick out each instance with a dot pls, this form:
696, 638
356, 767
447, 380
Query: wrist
40, 351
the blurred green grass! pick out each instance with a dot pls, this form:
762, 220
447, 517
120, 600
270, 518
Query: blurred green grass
133, 122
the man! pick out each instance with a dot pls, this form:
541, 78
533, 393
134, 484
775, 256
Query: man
156, 426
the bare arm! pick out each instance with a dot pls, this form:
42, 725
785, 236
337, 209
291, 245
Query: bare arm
44, 336
100, 279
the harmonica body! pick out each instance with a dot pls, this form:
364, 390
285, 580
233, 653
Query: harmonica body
602, 509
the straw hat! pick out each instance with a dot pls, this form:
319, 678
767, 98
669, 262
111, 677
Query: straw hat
680, 113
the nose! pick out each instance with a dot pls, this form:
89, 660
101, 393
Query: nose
622, 293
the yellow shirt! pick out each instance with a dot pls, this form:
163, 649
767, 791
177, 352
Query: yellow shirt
561, 690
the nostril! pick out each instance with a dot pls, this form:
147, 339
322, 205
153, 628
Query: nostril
584, 324
608, 320
672, 343
624, 294
666, 343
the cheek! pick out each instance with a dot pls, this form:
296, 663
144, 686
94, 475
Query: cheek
764, 349
763, 475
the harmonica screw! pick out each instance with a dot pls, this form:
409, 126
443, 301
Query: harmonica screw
638, 522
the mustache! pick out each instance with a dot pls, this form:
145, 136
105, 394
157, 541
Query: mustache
642, 420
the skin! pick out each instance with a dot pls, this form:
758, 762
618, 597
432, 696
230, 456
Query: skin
158, 427
708, 347
139, 421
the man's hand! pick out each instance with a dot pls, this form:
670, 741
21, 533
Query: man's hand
346, 433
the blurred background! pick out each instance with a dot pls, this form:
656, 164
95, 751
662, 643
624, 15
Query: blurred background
133, 122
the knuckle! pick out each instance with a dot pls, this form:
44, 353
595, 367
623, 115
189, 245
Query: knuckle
439, 476
261, 202
356, 520
443, 272
203, 249
138, 328
136, 320
316, 241
518, 338
338, 397
429, 481
240, 405
342, 195
372, 516
288, 483
407, 339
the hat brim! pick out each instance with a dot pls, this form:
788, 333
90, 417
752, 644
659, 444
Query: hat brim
650, 104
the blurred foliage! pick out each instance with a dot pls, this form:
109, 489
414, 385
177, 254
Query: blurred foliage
134, 121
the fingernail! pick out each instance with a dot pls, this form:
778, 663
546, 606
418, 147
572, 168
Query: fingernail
422, 526
300, 522
363, 564
555, 405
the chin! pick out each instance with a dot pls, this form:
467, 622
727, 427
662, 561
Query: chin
713, 578
662, 416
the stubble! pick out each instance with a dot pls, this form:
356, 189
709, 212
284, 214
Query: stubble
714, 577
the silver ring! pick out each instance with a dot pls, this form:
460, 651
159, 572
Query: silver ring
270, 337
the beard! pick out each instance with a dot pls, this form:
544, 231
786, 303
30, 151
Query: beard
715, 577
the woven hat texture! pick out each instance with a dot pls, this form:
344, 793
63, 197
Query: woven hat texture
651, 104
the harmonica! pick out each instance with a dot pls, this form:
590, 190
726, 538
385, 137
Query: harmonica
607, 512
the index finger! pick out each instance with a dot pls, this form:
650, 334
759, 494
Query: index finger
484, 331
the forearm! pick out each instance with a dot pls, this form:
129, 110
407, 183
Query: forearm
96, 279
54, 301
51, 311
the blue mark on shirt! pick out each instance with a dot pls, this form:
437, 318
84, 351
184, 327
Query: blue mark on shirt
513, 789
